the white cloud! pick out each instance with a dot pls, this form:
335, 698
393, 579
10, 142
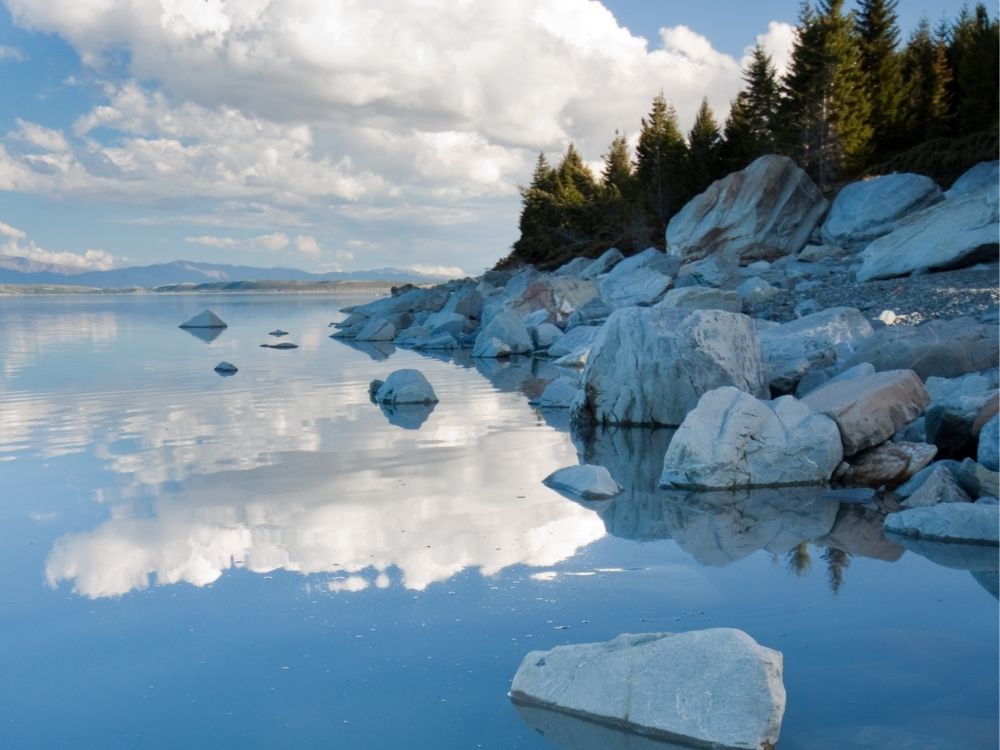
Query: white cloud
307, 245
11, 53
378, 112
777, 42
453, 272
271, 242
15, 242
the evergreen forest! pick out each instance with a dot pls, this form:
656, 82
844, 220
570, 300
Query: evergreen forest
855, 101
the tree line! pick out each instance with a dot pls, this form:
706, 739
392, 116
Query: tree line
853, 102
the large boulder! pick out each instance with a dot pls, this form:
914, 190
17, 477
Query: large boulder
889, 464
949, 522
811, 342
447, 322
865, 210
504, 335
558, 296
955, 232
639, 280
983, 176
945, 348
868, 410
377, 329
765, 211
573, 340
586, 481
732, 440
716, 687
938, 486
649, 366
403, 387
561, 393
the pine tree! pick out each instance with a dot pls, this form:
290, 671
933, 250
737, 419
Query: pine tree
926, 79
660, 157
540, 215
826, 109
878, 33
973, 55
618, 174
704, 141
750, 129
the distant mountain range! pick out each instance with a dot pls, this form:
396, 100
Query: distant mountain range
14, 270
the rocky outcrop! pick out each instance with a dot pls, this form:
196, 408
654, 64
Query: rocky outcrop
649, 366
732, 440
717, 687
763, 212
608, 260
868, 410
871, 208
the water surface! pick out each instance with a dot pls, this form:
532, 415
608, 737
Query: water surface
270, 560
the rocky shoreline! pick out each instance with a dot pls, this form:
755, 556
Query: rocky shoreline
791, 341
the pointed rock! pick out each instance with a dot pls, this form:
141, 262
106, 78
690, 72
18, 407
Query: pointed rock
205, 319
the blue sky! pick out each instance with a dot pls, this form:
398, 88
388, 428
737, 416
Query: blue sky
328, 135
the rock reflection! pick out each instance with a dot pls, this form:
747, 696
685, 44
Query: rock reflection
980, 560
376, 350
208, 335
407, 416
570, 733
718, 528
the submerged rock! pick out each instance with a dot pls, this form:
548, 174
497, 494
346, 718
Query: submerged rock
282, 345
586, 481
405, 387
715, 686
226, 368
733, 440
763, 212
204, 319
649, 366
278, 332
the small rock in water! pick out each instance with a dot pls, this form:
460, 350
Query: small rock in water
586, 481
226, 368
282, 345
278, 332
204, 319
403, 387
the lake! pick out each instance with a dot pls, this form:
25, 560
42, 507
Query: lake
270, 560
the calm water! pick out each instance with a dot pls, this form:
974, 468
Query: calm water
269, 560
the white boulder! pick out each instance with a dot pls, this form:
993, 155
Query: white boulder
649, 366
716, 687
763, 212
732, 440
404, 387
868, 209
504, 335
